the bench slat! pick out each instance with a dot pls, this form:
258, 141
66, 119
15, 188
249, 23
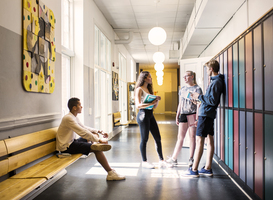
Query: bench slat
4, 165
18, 188
3, 149
28, 140
47, 168
26, 157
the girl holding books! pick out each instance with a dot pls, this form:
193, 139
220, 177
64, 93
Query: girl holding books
186, 116
146, 102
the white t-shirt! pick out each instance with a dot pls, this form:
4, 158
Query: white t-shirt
187, 107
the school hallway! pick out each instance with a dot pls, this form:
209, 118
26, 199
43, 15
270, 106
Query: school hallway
86, 179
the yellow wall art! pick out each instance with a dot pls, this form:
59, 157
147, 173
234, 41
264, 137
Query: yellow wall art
39, 49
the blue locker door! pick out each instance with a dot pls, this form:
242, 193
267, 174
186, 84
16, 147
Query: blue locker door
242, 73
268, 183
226, 137
258, 68
235, 75
230, 139
250, 150
268, 62
242, 145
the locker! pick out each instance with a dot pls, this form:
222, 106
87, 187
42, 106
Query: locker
268, 63
226, 137
235, 75
218, 147
258, 154
236, 142
230, 78
222, 135
258, 69
230, 139
242, 73
242, 145
222, 100
268, 183
249, 71
226, 77
249, 150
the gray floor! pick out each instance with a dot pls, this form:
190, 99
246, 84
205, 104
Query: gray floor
87, 180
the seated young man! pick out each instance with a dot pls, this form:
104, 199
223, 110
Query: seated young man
89, 140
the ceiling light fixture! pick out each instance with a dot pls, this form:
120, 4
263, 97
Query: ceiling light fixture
158, 57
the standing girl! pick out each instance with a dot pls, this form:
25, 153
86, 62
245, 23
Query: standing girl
145, 118
186, 117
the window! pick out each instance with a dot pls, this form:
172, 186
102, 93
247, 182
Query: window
67, 51
103, 82
123, 88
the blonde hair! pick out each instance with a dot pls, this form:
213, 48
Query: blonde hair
194, 76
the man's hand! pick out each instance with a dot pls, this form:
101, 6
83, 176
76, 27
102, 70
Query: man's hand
105, 135
103, 141
158, 98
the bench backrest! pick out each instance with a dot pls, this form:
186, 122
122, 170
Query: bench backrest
24, 149
3, 163
116, 118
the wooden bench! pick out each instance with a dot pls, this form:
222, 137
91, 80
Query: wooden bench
23, 151
116, 119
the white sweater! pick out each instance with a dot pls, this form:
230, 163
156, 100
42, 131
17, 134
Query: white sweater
68, 128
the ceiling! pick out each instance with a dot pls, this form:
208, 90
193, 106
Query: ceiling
190, 25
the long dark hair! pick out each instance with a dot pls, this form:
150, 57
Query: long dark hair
140, 81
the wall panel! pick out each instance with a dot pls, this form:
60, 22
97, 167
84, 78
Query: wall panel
258, 68
230, 139
236, 141
242, 73
235, 75
268, 127
268, 63
226, 137
249, 70
258, 154
225, 64
242, 145
230, 78
249, 150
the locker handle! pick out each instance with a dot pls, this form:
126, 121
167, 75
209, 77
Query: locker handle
265, 158
239, 144
254, 69
246, 147
254, 152
264, 65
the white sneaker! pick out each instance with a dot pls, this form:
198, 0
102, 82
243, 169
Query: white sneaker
114, 176
164, 164
172, 161
147, 165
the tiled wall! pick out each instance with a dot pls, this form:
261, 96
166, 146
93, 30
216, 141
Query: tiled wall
244, 123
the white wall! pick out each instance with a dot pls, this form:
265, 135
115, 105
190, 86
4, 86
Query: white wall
248, 14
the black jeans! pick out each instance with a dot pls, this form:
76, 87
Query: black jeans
147, 123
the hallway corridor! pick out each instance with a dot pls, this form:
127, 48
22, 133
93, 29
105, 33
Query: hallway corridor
86, 179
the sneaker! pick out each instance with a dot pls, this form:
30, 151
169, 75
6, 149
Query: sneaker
190, 173
100, 147
114, 176
205, 172
190, 162
147, 165
172, 161
164, 164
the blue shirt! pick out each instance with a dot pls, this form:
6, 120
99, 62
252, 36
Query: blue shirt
211, 99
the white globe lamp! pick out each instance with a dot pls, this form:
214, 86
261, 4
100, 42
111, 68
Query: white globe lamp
157, 36
158, 57
159, 66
